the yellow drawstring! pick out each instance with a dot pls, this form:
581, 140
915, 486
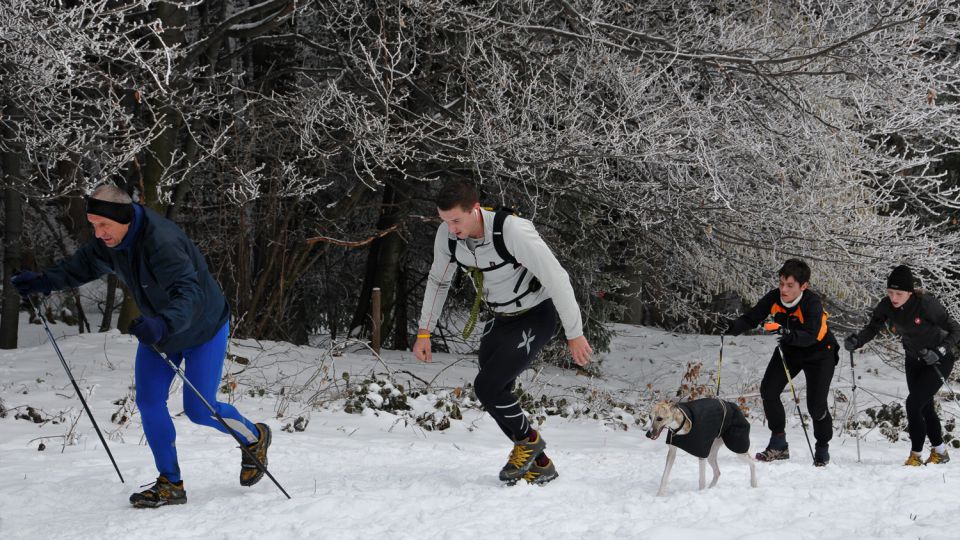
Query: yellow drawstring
477, 276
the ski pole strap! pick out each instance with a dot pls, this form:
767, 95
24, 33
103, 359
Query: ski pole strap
477, 276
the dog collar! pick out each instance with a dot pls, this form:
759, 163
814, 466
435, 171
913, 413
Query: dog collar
686, 420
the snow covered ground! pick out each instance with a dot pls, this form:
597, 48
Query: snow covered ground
377, 475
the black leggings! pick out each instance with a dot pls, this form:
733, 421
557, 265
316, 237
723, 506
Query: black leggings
818, 370
923, 382
508, 346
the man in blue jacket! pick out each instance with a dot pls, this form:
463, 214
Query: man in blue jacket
183, 313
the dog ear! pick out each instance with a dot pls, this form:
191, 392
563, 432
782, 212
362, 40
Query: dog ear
664, 403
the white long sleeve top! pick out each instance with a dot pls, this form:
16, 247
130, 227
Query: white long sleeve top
501, 285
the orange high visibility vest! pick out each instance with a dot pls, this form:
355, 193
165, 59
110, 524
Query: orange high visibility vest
798, 313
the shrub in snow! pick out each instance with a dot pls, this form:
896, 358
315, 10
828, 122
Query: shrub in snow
890, 418
32, 415
377, 394
300, 424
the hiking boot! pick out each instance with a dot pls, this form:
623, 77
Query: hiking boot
539, 475
821, 456
772, 454
936, 458
777, 449
250, 474
522, 457
914, 460
161, 493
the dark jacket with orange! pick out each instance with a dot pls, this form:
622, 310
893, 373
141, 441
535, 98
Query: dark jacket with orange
921, 322
805, 330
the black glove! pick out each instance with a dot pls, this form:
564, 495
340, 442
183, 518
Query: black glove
932, 356
786, 336
735, 327
852, 343
28, 283
149, 330
782, 319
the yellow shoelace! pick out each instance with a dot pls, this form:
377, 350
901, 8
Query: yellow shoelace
519, 455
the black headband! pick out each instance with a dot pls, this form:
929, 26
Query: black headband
120, 212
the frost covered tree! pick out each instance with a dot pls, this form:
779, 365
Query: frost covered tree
672, 150
694, 145
71, 76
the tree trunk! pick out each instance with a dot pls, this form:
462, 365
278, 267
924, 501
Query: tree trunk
105, 323
401, 338
383, 267
157, 159
12, 229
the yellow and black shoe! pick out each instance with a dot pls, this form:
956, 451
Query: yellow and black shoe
914, 460
522, 457
250, 473
936, 458
539, 475
161, 493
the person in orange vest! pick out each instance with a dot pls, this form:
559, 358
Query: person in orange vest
929, 336
808, 345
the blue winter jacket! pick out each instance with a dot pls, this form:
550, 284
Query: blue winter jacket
163, 270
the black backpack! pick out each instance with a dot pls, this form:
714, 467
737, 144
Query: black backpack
500, 245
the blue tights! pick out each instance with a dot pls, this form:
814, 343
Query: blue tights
204, 365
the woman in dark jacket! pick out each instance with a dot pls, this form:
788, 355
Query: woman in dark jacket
928, 334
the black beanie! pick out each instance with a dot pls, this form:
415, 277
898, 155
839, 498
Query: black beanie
901, 279
119, 212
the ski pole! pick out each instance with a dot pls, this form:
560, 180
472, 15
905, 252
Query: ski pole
243, 444
76, 387
774, 327
943, 379
853, 376
719, 365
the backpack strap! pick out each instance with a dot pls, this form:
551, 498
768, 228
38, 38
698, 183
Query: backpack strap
452, 245
500, 245
498, 242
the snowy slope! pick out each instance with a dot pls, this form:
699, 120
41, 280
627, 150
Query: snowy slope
378, 475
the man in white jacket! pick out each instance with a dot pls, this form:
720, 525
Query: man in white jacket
522, 282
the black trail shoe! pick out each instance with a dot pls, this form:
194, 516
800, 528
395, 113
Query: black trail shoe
539, 475
821, 456
521, 458
250, 473
777, 449
161, 493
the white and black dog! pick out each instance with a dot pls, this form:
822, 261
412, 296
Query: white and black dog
699, 427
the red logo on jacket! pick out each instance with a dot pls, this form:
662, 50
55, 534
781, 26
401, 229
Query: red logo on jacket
917, 321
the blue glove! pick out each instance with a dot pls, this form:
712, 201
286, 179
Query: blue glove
149, 330
28, 283
932, 356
